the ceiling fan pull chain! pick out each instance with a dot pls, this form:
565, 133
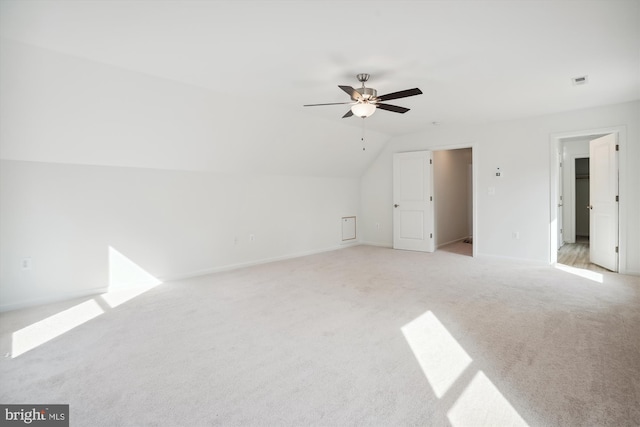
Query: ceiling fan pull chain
362, 138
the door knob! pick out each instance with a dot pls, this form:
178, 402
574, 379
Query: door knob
396, 205
589, 206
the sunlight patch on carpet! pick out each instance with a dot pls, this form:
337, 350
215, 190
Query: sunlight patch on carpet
47, 329
120, 296
440, 356
127, 280
443, 361
481, 403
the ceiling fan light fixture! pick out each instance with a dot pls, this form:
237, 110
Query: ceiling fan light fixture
365, 100
363, 109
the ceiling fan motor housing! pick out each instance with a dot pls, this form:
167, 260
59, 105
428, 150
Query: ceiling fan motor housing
365, 100
367, 93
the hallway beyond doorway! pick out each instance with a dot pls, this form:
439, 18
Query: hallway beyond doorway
577, 255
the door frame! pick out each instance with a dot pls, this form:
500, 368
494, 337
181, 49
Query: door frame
561, 200
474, 185
554, 144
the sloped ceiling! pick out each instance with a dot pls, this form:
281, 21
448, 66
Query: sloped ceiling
475, 61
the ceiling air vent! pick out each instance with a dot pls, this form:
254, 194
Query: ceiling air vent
582, 80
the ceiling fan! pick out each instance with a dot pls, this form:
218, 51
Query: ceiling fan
365, 100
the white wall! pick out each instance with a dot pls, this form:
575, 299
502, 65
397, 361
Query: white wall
521, 203
169, 174
170, 223
451, 189
166, 173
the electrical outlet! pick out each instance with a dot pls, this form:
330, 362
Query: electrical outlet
377, 226
515, 235
26, 264
252, 237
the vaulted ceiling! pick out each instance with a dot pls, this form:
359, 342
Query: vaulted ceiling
475, 61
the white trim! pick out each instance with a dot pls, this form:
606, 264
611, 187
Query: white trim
64, 296
97, 291
380, 245
529, 261
229, 267
552, 249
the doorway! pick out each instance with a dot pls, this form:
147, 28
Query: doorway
575, 252
581, 207
443, 180
453, 194
583, 242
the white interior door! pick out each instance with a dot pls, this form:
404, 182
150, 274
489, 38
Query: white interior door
603, 194
560, 201
413, 201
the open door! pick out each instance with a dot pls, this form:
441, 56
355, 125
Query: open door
413, 201
560, 214
603, 202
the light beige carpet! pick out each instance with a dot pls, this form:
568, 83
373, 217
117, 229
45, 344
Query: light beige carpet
359, 336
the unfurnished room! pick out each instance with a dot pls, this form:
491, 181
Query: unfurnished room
323, 213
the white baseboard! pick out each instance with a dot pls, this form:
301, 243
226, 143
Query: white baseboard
229, 267
381, 245
95, 291
63, 296
511, 259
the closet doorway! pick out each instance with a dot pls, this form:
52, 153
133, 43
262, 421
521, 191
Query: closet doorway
582, 200
453, 200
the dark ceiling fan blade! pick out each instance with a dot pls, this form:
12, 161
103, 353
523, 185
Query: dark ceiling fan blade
393, 108
354, 94
348, 114
401, 94
330, 103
